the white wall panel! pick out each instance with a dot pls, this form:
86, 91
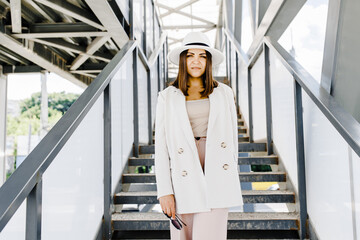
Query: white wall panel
15, 229
243, 91
143, 103
258, 99
356, 182
122, 116
283, 116
327, 176
72, 204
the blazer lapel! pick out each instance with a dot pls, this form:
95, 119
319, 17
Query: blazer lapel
184, 118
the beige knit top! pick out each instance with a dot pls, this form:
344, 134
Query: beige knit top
198, 112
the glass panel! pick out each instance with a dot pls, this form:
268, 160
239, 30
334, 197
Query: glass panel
283, 116
122, 117
243, 90
15, 229
139, 20
124, 7
142, 103
327, 174
258, 99
149, 27
247, 32
305, 36
72, 204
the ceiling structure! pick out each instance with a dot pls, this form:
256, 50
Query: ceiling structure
74, 38
186, 16
77, 38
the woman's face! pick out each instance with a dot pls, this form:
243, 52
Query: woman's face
196, 62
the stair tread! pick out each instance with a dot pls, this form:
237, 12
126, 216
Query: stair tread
240, 173
244, 192
240, 216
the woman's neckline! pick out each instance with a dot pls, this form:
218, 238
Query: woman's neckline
197, 100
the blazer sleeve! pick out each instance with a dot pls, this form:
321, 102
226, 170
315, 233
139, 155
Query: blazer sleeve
162, 160
232, 105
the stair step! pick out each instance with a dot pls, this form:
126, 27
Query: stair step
243, 147
231, 234
241, 138
264, 160
243, 177
249, 196
126, 221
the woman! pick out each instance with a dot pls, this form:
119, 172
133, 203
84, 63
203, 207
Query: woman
196, 145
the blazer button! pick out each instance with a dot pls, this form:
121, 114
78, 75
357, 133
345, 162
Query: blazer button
226, 166
180, 151
184, 173
223, 145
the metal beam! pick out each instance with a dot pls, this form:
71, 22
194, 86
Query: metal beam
59, 35
64, 45
21, 69
277, 18
72, 11
174, 27
178, 8
184, 13
4, 51
18, 48
40, 10
15, 9
61, 27
109, 20
92, 48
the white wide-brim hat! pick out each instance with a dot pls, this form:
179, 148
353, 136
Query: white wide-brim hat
196, 40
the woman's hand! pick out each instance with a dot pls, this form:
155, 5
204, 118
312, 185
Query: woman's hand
168, 205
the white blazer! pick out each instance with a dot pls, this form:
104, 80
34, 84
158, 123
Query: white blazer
177, 165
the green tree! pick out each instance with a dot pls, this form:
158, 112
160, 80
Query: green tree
30, 111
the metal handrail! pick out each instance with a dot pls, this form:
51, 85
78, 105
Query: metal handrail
16, 189
344, 122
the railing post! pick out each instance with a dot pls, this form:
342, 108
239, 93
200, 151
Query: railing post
227, 59
300, 154
107, 226
135, 102
268, 101
230, 77
33, 211
150, 131
251, 130
237, 81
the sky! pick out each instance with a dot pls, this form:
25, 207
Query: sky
22, 85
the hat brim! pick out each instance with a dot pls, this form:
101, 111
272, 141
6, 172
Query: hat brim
216, 56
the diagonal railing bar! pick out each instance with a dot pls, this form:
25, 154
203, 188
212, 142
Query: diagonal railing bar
18, 187
343, 121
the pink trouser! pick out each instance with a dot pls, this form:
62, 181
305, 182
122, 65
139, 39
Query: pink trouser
202, 225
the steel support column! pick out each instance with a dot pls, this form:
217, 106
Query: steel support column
108, 203
251, 130
300, 155
3, 107
268, 101
150, 131
136, 103
33, 211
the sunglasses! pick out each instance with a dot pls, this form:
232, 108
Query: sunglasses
175, 221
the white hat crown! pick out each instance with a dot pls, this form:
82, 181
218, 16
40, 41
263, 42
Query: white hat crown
197, 40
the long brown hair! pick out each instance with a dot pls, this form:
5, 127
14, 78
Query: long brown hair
181, 81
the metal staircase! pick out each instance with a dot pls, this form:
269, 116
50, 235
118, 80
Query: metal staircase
130, 224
